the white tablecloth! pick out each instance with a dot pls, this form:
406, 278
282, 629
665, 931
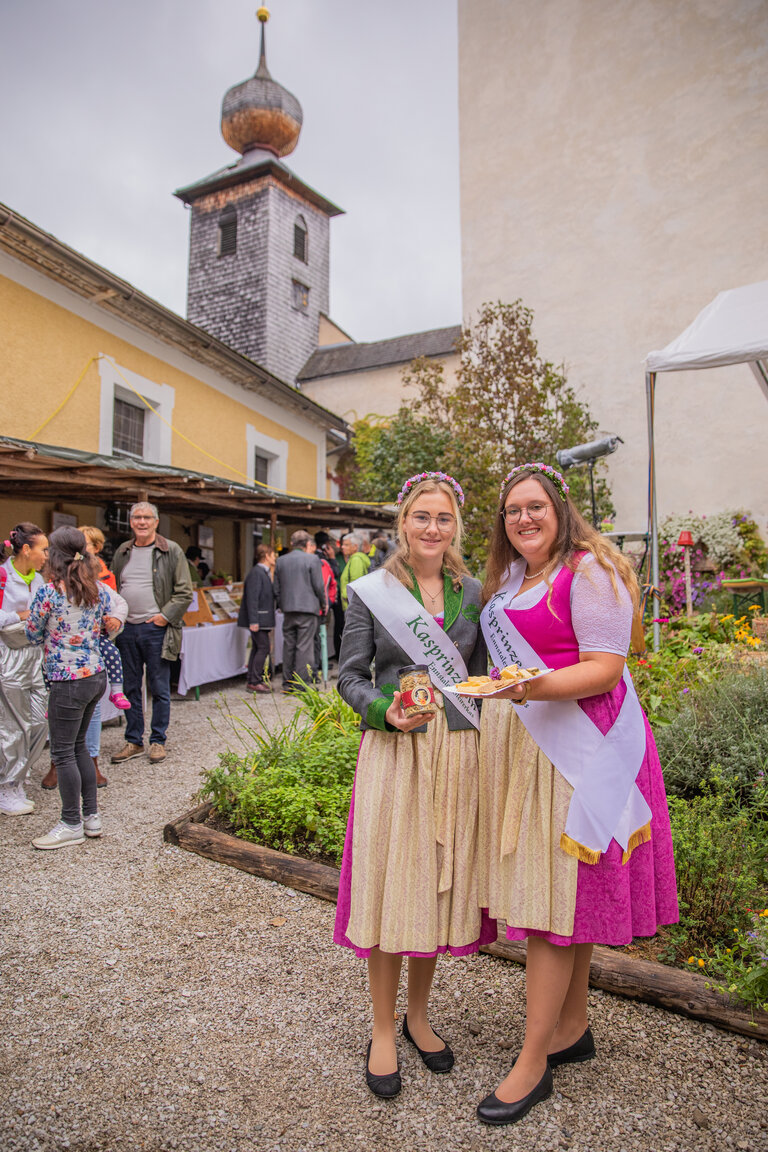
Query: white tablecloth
211, 652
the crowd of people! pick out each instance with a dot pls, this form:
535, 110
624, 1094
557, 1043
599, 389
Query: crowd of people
73, 632
542, 805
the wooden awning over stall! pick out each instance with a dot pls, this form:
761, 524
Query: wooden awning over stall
30, 471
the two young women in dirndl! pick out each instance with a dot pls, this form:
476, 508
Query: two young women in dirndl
556, 823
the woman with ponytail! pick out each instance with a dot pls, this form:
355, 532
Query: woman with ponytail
66, 617
23, 697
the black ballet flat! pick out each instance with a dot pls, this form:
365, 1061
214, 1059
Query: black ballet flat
495, 1111
441, 1061
576, 1053
384, 1086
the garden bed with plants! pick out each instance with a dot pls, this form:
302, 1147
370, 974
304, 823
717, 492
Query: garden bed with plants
276, 804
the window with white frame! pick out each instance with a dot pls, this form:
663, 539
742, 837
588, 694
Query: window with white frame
128, 430
267, 458
136, 415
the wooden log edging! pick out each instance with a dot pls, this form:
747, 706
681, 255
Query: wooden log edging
674, 989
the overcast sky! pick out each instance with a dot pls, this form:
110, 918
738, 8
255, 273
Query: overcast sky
109, 106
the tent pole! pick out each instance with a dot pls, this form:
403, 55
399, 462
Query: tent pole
650, 389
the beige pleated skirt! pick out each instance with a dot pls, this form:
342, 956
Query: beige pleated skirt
525, 877
412, 887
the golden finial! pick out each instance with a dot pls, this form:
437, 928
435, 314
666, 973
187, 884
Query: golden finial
262, 14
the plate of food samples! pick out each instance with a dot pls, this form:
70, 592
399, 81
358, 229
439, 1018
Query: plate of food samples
499, 680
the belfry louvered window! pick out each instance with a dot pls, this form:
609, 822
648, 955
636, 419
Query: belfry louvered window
228, 232
300, 246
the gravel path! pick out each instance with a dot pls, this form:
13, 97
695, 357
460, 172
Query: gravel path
148, 1003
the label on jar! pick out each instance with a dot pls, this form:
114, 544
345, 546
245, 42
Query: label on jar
420, 699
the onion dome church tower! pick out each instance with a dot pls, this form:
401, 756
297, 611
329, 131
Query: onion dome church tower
259, 237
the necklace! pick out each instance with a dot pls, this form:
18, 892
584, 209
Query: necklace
424, 592
533, 574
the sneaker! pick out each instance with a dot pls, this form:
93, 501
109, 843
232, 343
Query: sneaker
127, 752
92, 825
119, 700
156, 753
60, 836
13, 801
24, 798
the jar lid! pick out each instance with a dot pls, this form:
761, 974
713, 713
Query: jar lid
413, 668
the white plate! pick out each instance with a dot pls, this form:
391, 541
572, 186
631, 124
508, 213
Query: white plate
501, 688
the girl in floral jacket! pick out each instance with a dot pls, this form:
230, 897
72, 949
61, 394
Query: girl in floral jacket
66, 617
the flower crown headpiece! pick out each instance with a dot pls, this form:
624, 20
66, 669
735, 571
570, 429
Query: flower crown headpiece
547, 470
443, 476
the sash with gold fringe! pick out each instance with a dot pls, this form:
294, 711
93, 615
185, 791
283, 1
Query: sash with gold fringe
602, 769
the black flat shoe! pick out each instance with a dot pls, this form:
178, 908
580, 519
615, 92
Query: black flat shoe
441, 1061
495, 1111
384, 1086
576, 1053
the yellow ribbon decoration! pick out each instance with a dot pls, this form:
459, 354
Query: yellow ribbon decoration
192, 444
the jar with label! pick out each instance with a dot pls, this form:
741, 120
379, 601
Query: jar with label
417, 697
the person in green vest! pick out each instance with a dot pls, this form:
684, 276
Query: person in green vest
356, 564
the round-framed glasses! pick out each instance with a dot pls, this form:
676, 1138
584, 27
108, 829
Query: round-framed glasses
446, 522
535, 511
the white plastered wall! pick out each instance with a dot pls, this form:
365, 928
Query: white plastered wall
613, 162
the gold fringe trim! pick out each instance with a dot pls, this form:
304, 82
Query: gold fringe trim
642, 836
573, 848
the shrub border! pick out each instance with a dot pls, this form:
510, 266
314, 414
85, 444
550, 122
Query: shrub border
674, 989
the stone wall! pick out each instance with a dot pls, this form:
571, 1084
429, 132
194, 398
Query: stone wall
246, 299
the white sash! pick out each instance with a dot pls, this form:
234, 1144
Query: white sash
416, 632
606, 802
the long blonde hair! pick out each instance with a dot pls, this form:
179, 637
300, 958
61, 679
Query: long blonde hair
453, 562
574, 535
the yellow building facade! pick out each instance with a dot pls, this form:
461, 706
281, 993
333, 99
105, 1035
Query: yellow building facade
89, 363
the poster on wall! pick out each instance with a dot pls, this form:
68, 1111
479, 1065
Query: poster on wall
62, 520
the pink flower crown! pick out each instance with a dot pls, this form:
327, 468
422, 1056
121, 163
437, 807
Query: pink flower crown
547, 470
443, 476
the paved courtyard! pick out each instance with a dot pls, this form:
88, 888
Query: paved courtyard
148, 1002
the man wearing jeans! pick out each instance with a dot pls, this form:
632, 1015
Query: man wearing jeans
300, 594
153, 577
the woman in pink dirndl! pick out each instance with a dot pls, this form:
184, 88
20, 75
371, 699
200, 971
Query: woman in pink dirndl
575, 843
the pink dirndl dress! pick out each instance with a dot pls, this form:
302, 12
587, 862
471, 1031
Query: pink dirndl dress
614, 901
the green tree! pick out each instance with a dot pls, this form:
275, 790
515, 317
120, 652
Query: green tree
386, 452
508, 405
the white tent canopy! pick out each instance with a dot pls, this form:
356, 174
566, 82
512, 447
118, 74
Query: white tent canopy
733, 329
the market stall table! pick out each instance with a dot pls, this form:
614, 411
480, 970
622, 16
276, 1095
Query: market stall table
218, 652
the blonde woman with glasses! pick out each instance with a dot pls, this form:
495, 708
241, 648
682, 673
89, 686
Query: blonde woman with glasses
408, 882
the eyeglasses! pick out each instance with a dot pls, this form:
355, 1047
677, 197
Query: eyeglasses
533, 511
445, 521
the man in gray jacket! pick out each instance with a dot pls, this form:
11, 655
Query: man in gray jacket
300, 595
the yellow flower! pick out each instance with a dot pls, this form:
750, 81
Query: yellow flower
728, 951
701, 963
691, 960
728, 617
754, 608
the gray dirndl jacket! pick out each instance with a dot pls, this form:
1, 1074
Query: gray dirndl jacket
366, 641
